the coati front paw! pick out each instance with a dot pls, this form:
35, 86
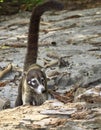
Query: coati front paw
33, 103
26, 104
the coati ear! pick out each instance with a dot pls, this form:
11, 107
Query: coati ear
43, 69
24, 73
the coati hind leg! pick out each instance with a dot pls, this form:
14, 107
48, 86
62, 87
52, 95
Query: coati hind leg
18, 101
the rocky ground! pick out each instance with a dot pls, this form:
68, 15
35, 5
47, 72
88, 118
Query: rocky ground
70, 52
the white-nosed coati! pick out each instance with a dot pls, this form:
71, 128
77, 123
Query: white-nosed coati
33, 86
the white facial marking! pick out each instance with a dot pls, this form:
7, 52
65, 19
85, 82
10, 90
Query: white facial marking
33, 84
29, 82
33, 79
40, 89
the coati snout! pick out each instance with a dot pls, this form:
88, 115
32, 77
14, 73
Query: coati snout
36, 85
36, 81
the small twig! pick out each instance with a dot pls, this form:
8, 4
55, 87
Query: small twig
45, 23
53, 55
5, 71
15, 45
53, 75
59, 97
51, 64
17, 68
54, 29
2, 84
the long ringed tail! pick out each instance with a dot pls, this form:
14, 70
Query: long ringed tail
32, 48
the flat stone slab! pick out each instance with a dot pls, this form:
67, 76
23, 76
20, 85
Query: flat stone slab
52, 115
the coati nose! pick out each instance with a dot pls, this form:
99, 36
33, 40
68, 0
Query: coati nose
40, 89
43, 90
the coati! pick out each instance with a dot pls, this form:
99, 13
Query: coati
33, 86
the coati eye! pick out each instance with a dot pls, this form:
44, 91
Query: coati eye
32, 82
42, 80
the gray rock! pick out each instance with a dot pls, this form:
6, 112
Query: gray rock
4, 103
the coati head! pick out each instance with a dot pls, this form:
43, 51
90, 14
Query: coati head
36, 80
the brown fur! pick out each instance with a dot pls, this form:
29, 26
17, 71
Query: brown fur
30, 67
